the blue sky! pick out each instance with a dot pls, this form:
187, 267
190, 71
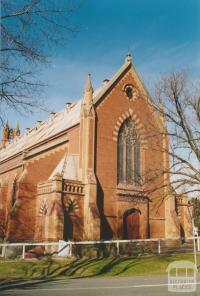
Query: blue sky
162, 35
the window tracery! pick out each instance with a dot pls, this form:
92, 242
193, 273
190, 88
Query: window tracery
128, 154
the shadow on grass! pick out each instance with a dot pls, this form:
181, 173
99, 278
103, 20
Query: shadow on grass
22, 285
88, 268
71, 268
94, 267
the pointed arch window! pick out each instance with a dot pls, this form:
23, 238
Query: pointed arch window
129, 166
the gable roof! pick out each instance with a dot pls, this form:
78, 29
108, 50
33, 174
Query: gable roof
105, 88
128, 65
119, 74
66, 118
55, 124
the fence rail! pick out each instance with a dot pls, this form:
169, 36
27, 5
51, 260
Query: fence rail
69, 245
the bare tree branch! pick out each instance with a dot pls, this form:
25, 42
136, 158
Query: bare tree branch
177, 102
29, 28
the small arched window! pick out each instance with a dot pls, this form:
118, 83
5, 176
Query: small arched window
128, 154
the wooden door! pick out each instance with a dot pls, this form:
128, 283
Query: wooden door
132, 225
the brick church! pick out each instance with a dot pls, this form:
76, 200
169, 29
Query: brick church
98, 169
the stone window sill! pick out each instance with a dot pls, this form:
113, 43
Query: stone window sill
131, 190
131, 187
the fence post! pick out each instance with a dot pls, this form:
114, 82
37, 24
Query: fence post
198, 243
23, 251
3, 251
159, 249
70, 249
118, 248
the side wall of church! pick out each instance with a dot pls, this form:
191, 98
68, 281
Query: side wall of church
7, 198
20, 214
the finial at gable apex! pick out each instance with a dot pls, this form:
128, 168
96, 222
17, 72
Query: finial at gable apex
128, 58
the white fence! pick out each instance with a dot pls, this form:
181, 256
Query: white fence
59, 246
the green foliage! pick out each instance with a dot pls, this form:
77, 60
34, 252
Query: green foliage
110, 250
13, 252
135, 249
94, 251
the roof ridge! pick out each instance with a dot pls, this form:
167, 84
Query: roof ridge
109, 84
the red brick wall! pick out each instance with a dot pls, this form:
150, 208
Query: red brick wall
6, 181
73, 222
74, 137
38, 169
108, 113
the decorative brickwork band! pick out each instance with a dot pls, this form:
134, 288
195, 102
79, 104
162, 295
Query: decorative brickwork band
138, 125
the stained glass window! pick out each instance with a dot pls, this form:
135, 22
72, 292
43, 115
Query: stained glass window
128, 154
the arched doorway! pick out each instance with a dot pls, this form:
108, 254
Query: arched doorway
131, 224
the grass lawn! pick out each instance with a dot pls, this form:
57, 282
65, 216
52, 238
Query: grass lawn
76, 268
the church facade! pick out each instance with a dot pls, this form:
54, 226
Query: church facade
98, 169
